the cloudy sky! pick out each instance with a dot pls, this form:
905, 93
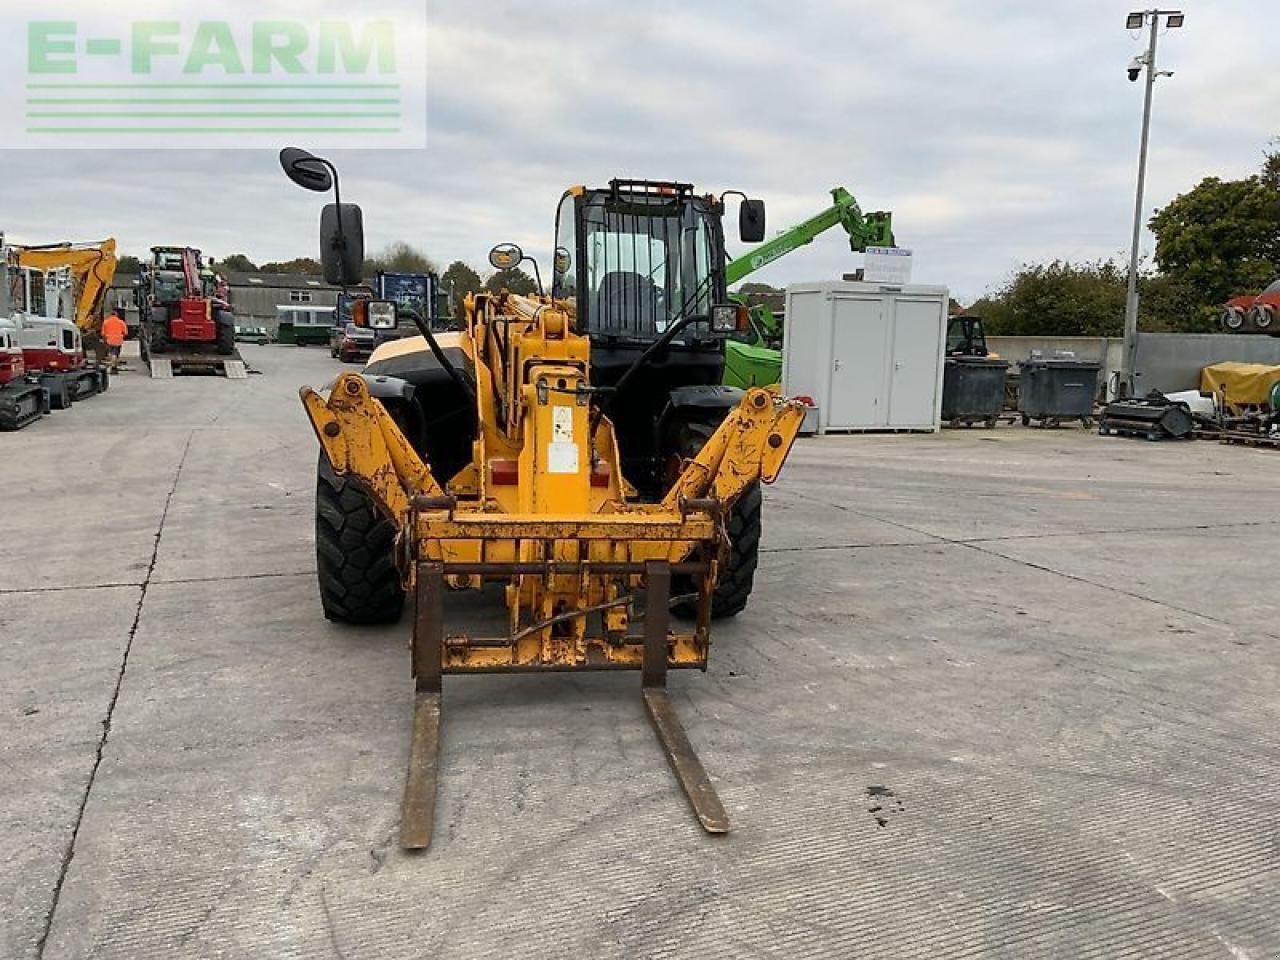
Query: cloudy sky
997, 131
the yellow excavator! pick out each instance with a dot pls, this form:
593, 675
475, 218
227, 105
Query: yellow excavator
92, 267
575, 447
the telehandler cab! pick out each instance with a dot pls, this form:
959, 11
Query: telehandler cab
575, 447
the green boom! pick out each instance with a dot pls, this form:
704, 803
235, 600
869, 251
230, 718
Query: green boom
756, 363
869, 230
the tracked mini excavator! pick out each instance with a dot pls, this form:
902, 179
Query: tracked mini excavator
49, 304
574, 447
92, 267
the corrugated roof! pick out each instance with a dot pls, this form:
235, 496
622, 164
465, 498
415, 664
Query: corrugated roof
275, 281
284, 281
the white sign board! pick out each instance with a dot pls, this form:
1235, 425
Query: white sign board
887, 265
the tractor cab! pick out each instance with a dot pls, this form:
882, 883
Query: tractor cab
640, 267
966, 337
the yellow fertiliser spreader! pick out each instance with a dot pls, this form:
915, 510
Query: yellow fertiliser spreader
602, 479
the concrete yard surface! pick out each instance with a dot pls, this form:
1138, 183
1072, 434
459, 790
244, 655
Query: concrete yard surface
1006, 693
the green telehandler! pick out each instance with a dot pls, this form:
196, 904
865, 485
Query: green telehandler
755, 360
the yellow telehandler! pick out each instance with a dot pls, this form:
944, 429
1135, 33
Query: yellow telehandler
574, 446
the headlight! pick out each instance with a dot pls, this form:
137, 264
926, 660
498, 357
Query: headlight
728, 317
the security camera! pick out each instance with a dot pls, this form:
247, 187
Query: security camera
1135, 68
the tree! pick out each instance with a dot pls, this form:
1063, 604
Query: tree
512, 280
1222, 237
755, 294
1219, 239
1058, 299
305, 265
1168, 304
128, 264
399, 257
239, 263
457, 281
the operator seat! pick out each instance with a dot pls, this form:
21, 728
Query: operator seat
627, 303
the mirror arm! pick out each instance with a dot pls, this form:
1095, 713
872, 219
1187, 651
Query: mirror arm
425, 329
732, 193
337, 196
537, 274
337, 199
656, 347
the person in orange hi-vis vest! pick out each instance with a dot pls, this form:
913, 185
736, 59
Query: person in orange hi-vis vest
114, 330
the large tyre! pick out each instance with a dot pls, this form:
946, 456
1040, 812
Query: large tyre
156, 333
359, 582
737, 577
226, 343
743, 525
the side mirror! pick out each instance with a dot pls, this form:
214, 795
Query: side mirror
505, 256
382, 314
305, 169
342, 243
751, 221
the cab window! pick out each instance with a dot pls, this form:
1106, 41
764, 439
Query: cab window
564, 284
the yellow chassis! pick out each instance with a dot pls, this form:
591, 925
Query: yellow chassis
575, 554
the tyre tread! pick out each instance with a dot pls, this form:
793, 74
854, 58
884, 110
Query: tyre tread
355, 565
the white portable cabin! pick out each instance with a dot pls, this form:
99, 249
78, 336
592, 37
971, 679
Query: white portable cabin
869, 355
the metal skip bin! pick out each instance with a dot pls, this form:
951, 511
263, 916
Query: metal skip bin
1053, 390
973, 390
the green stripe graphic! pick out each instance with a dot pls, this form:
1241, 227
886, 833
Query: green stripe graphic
211, 113
167, 130
218, 85
125, 101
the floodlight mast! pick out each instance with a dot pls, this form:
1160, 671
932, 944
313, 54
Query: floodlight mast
1135, 21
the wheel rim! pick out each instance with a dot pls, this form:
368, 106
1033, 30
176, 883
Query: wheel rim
1233, 320
1261, 317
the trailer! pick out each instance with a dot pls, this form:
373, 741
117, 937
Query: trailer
187, 326
169, 365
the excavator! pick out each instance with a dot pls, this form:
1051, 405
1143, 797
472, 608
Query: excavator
184, 325
755, 358
23, 399
55, 293
575, 447
93, 267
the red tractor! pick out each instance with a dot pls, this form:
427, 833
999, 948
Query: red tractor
186, 321
1254, 314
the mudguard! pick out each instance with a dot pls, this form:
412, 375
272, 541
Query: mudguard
705, 403
705, 397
